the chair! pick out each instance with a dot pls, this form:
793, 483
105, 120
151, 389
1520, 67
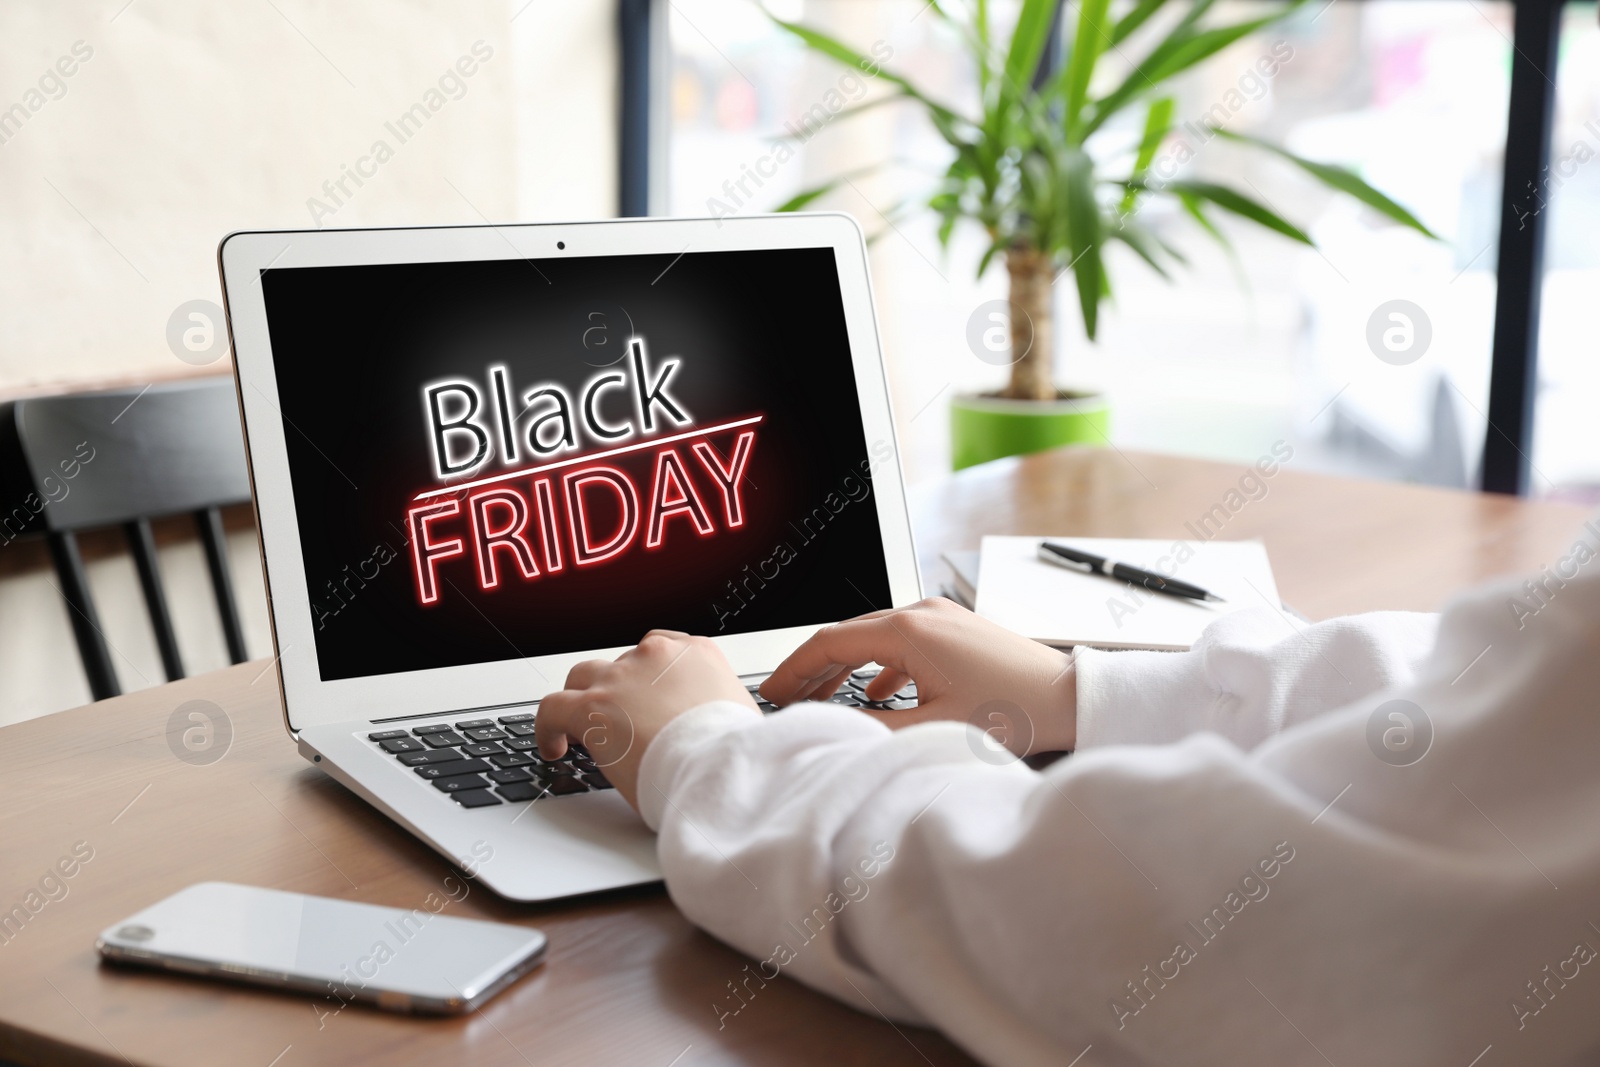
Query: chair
124, 457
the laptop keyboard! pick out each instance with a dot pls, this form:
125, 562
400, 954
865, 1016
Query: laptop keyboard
853, 694
480, 763
484, 762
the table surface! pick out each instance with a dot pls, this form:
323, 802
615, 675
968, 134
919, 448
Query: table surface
628, 980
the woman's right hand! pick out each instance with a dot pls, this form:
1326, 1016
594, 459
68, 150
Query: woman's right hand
967, 669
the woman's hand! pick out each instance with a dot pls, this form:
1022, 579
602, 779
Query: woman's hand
1021, 693
616, 709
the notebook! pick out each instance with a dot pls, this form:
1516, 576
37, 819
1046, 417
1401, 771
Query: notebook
1064, 607
963, 587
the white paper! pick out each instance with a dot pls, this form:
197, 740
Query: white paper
1065, 607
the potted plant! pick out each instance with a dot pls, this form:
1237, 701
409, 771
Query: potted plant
1024, 171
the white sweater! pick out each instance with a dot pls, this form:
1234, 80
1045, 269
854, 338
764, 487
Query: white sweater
1225, 872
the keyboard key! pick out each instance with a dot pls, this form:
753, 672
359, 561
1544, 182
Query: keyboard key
515, 774
452, 768
900, 705
865, 675
525, 716
520, 729
521, 790
485, 748
444, 739
438, 727
386, 735
474, 724
596, 780
846, 698
520, 744
511, 759
475, 798
564, 785
552, 770
398, 745
427, 756
457, 783
487, 733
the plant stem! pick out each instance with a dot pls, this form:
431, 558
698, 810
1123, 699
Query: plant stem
1033, 276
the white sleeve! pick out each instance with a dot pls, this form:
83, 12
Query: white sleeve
1252, 674
1322, 898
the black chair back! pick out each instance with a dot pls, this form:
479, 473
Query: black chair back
122, 458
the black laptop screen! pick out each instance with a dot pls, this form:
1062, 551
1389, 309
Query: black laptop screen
493, 460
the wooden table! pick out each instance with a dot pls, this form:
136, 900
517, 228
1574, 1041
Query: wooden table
628, 981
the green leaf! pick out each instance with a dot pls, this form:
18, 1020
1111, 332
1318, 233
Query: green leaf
1138, 16
1157, 123
1197, 212
1171, 249
1241, 205
1133, 233
988, 256
1192, 17
801, 199
843, 53
1087, 45
1192, 205
1028, 42
845, 113
1180, 50
1084, 231
1340, 178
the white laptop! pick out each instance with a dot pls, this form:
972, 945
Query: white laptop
483, 454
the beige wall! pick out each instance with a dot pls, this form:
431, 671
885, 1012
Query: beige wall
189, 119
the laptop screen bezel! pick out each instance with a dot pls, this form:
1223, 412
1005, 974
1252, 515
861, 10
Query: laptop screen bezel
244, 256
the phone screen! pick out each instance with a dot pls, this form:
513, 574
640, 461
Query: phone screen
408, 959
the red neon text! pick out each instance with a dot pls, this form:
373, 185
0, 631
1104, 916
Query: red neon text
517, 523
425, 551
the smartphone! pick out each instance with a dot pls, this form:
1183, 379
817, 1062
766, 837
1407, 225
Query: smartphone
412, 960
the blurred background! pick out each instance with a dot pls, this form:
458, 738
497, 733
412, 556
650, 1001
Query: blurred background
180, 121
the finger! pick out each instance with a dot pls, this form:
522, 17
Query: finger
846, 645
826, 687
585, 674
556, 714
888, 682
676, 635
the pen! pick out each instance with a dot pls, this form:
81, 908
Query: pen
1089, 563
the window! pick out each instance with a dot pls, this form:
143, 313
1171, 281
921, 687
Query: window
1236, 353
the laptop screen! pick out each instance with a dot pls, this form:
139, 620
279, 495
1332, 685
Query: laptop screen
494, 460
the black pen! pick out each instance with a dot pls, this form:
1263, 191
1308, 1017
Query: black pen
1089, 563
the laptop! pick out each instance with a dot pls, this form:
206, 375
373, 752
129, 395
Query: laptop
483, 454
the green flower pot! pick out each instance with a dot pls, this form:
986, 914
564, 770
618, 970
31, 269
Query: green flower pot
991, 427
